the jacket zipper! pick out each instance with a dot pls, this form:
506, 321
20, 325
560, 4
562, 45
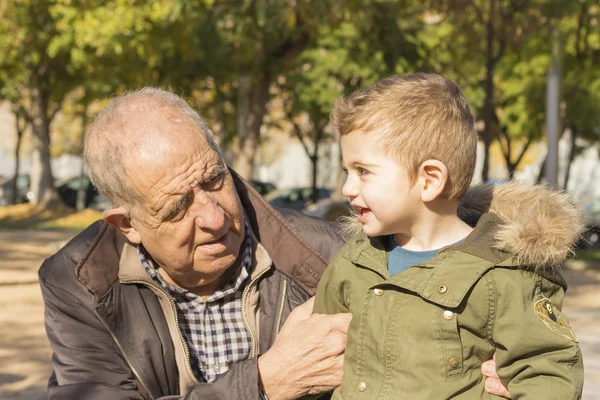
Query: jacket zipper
137, 375
176, 317
281, 304
245, 317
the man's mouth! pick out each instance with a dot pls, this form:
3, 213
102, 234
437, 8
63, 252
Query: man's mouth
217, 241
363, 214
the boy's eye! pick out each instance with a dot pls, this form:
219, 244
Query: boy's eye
362, 171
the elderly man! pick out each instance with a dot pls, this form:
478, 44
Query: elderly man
183, 290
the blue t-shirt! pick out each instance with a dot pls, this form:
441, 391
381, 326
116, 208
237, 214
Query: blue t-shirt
400, 259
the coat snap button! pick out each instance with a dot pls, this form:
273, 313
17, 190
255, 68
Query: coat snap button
362, 387
448, 315
378, 292
453, 362
442, 289
360, 241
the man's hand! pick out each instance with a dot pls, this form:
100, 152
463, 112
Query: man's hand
493, 385
307, 356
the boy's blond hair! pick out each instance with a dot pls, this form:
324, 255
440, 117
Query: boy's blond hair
421, 117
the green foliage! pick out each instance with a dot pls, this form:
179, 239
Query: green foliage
310, 52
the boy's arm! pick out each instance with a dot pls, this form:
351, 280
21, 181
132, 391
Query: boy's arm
537, 354
328, 299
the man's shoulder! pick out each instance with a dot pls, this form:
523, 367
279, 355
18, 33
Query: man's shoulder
324, 236
61, 267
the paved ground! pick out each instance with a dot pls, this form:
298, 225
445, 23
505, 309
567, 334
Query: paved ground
25, 353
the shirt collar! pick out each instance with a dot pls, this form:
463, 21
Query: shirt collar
234, 284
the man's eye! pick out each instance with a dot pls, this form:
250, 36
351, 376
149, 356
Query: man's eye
213, 183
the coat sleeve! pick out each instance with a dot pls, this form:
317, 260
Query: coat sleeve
88, 365
537, 354
328, 299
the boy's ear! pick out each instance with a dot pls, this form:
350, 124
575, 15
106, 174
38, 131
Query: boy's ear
432, 177
119, 218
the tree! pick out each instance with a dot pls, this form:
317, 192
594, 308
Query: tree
36, 64
581, 81
354, 53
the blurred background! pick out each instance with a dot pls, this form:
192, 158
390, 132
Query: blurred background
265, 75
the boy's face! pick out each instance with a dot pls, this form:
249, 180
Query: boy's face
377, 187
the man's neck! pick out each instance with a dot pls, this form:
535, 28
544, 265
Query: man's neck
207, 289
434, 227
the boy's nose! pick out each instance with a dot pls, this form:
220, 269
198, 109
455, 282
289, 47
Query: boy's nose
349, 190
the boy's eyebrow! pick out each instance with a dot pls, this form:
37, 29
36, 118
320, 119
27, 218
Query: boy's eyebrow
357, 163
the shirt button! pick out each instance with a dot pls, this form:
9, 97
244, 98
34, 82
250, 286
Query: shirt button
442, 289
453, 362
448, 315
378, 291
362, 386
217, 367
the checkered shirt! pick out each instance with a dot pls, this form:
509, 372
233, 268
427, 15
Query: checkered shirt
213, 329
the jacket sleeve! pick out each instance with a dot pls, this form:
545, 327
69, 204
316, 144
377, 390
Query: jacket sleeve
537, 354
88, 364
328, 299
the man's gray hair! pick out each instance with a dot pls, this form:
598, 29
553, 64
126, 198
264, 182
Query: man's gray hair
103, 151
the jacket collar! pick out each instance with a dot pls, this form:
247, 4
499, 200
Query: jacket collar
99, 269
131, 268
446, 278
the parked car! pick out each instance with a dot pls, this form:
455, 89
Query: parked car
591, 236
262, 187
24, 193
329, 209
295, 198
67, 191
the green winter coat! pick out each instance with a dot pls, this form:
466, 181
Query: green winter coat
424, 333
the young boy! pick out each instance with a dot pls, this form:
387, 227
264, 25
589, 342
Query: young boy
432, 297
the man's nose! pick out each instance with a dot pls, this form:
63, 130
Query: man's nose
210, 214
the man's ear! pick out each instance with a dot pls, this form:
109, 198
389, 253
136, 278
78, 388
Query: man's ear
432, 176
119, 218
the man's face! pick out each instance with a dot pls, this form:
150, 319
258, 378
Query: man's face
191, 219
377, 187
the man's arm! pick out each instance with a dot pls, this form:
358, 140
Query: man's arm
88, 365
307, 356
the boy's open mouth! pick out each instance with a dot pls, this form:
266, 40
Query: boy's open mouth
363, 214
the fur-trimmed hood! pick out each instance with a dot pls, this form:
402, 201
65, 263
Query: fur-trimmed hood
539, 225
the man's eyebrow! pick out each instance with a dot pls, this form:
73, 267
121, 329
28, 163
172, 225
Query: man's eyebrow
177, 207
216, 171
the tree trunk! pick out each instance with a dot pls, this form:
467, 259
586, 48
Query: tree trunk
42, 181
574, 134
249, 140
82, 190
542, 172
314, 159
488, 107
20, 131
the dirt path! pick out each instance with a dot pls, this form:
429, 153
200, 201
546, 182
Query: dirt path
25, 353
24, 350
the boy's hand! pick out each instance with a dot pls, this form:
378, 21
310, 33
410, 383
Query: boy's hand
493, 384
